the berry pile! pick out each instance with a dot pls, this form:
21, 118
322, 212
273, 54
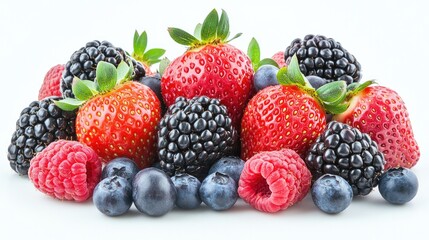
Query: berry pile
213, 125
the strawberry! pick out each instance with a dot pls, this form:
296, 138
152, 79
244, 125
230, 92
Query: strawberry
380, 112
289, 115
146, 57
51, 83
116, 118
279, 58
210, 67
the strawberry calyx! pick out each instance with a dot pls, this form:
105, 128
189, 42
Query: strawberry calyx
330, 96
213, 31
254, 53
144, 55
107, 78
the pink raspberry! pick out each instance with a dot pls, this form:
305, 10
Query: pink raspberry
274, 180
279, 58
51, 83
66, 170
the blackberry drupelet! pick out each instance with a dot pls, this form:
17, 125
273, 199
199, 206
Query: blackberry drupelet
325, 58
39, 124
193, 135
83, 63
345, 151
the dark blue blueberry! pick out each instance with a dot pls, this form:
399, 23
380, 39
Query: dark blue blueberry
398, 185
331, 193
154, 83
122, 167
265, 76
316, 81
113, 196
153, 192
187, 187
218, 191
231, 166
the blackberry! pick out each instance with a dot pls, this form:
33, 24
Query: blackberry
83, 63
324, 57
345, 151
39, 124
194, 134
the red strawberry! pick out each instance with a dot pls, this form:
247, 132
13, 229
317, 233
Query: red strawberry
210, 67
119, 122
51, 83
279, 58
289, 115
146, 57
380, 112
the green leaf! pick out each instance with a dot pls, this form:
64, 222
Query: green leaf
332, 93
362, 86
254, 53
106, 75
294, 72
182, 37
91, 85
223, 26
135, 40
197, 31
140, 46
163, 65
235, 36
81, 90
283, 77
69, 104
153, 54
336, 109
209, 28
267, 61
123, 71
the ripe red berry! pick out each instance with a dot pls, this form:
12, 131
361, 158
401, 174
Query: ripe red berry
66, 170
274, 180
51, 83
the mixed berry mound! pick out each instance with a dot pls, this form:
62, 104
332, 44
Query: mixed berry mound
66, 170
345, 151
83, 63
38, 125
324, 57
193, 135
274, 180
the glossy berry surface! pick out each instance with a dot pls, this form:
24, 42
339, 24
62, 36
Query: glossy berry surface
194, 134
154, 83
219, 191
113, 196
331, 193
265, 76
187, 189
38, 125
231, 166
83, 63
345, 151
316, 81
153, 192
279, 58
398, 185
51, 83
324, 57
121, 167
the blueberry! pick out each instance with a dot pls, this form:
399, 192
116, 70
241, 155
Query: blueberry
154, 83
231, 166
218, 191
187, 187
122, 167
331, 193
113, 196
316, 81
398, 185
265, 76
153, 192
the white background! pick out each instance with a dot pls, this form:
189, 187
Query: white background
389, 39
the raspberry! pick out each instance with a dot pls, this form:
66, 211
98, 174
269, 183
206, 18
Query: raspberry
51, 83
279, 58
274, 180
66, 170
